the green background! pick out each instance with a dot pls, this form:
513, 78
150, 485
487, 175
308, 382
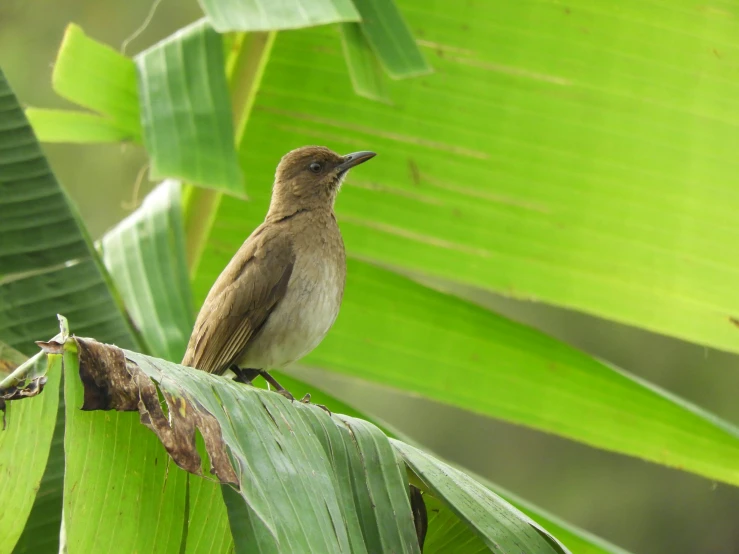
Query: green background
636, 505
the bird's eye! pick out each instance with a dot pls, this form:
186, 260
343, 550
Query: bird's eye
315, 167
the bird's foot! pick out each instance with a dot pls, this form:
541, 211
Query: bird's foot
286, 394
306, 400
245, 375
279, 389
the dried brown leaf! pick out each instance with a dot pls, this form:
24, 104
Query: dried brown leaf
113, 382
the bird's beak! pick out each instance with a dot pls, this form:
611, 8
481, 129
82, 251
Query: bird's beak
355, 158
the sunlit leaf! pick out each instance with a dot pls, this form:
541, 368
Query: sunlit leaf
116, 470
390, 38
186, 113
364, 70
523, 166
447, 533
206, 532
501, 527
399, 333
145, 255
75, 126
271, 15
95, 76
289, 461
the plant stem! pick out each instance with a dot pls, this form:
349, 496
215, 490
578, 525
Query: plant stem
244, 68
245, 77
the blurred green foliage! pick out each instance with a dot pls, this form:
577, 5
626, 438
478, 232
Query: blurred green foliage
645, 508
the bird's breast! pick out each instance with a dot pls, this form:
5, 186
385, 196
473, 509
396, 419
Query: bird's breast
305, 314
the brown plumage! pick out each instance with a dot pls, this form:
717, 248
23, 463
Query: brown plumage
281, 292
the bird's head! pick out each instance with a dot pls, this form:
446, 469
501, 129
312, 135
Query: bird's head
310, 177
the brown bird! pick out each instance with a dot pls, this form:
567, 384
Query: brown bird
281, 292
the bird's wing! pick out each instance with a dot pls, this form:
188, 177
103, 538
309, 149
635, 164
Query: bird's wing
241, 300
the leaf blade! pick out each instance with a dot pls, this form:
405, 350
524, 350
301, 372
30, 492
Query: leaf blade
389, 36
577, 539
186, 113
504, 137
272, 15
385, 487
497, 522
24, 455
77, 127
394, 331
272, 503
42, 530
48, 259
95, 76
128, 381
100, 448
145, 255
364, 70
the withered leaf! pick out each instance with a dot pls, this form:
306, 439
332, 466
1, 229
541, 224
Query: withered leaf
113, 382
340, 473
25, 381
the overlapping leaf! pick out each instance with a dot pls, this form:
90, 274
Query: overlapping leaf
74, 126
145, 255
366, 74
149, 266
186, 112
48, 264
398, 333
445, 529
269, 15
281, 468
178, 101
523, 166
94, 76
501, 527
25, 439
116, 470
290, 462
387, 33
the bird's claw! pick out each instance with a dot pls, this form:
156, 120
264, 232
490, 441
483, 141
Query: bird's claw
306, 400
286, 394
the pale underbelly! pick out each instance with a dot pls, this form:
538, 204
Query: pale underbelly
298, 324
